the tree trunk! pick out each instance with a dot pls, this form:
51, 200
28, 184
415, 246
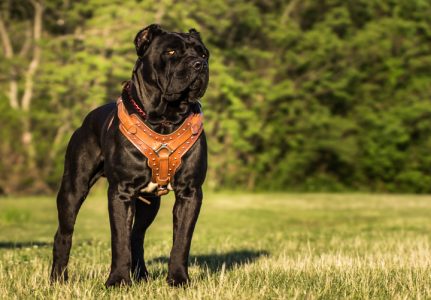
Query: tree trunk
32, 43
27, 135
9, 54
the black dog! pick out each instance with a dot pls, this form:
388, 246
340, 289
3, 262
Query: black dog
169, 77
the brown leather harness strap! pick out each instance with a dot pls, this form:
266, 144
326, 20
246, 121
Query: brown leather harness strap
164, 152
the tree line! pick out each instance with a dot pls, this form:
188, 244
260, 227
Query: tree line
304, 95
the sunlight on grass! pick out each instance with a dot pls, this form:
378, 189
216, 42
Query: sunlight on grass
263, 246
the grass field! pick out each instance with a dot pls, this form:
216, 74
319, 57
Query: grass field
264, 246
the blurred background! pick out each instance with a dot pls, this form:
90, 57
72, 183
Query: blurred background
304, 95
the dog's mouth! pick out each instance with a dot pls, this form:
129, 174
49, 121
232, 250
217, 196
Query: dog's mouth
195, 85
188, 95
191, 93
196, 90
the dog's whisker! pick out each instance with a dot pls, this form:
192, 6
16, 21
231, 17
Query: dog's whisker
144, 200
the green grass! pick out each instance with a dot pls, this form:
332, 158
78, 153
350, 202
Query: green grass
266, 246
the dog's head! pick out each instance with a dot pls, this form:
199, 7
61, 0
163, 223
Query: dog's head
175, 64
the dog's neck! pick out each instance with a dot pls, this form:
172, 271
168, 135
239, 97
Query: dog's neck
161, 115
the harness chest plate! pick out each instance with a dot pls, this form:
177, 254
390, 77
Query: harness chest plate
163, 152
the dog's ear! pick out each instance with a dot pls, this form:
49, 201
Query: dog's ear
145, 36
195, 33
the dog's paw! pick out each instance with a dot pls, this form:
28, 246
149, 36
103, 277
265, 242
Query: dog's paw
58, 276
178, 279
141, 275
118, 280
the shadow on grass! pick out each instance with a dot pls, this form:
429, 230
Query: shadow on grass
214, 262
19, 245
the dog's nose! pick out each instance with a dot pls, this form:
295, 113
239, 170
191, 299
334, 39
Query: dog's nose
197, 65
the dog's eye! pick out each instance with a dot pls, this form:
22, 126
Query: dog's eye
204, 56
171, 52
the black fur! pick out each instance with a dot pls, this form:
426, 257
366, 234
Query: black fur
167, 87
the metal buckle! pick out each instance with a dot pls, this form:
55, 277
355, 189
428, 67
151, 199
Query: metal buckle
163, 146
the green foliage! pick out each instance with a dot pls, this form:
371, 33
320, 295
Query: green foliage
303, 95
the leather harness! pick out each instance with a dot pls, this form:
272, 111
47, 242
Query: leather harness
163, 152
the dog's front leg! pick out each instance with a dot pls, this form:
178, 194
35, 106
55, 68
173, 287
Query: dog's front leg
121, 208
185, 214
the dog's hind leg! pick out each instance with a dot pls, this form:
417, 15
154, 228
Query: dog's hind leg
145, 213
83, 166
